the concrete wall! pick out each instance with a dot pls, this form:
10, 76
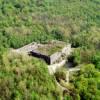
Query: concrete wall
66, 51
54, 67
54, 57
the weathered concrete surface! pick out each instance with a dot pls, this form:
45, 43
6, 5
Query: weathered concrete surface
28, 48
54, 57
64, 52
74, 69
53, 68
68, 73
67, 50
33, 49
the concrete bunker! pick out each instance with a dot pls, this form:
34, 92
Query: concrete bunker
52, 52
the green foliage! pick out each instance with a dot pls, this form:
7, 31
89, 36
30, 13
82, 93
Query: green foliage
23, 77
24, 21
86, 39
82, 55
67, 98
57, 34
96, 60
86, 82
60, 74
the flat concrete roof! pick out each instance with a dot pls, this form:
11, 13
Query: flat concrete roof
45, 49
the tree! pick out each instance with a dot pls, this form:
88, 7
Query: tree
86, 82
95, 59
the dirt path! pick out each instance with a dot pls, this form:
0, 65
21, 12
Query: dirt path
68, 73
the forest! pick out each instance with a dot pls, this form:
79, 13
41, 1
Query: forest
72, 21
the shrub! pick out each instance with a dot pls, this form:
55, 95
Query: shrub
31, 76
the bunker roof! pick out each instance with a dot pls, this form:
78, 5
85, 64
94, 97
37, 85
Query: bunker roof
45, 49
51, 47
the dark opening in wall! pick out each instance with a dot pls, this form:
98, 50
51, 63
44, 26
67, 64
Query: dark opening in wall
71, 62
75, 45
41, 56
